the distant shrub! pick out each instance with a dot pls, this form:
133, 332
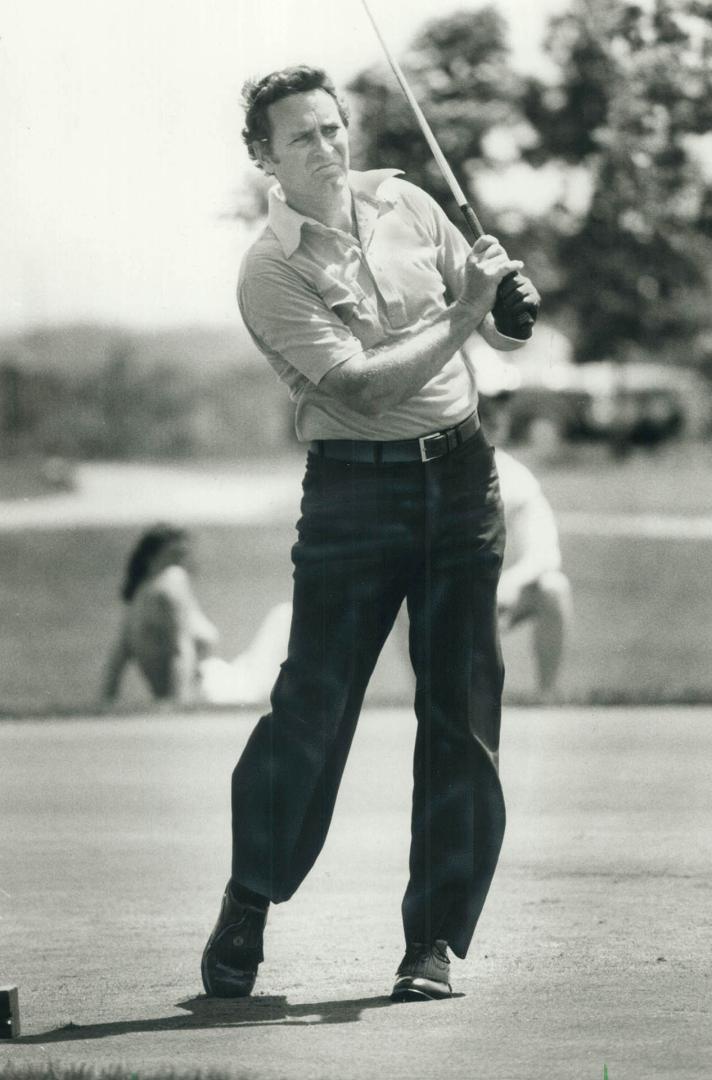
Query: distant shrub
125, 409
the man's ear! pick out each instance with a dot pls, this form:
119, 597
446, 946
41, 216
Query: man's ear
261, 152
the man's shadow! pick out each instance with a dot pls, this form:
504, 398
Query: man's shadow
205, 1012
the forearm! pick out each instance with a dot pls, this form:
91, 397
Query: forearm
387, 375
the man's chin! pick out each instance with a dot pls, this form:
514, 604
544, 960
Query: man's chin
330, 182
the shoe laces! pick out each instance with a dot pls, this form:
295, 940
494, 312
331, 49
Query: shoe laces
416, 950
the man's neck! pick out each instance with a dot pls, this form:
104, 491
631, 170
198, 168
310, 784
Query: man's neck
333, 207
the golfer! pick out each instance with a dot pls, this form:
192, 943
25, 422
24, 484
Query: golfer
360, 293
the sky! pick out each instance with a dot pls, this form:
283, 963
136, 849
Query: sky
119, 123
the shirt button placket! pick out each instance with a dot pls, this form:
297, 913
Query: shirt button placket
395, 308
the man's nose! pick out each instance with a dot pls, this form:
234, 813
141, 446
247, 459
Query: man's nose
323, 143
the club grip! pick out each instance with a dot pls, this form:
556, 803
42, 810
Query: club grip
473, 222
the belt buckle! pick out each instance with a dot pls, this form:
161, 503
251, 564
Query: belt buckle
422, 443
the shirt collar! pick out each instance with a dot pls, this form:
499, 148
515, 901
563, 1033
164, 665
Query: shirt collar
287, 223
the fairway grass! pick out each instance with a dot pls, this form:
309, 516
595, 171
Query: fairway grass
641, 633
642, 630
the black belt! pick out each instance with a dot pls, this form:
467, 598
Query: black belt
426, 448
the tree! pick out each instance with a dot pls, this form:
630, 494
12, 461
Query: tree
635, 93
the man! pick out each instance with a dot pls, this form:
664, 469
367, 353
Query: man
360, 292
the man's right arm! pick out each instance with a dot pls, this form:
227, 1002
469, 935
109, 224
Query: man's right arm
378, 379
302, 333
381, 378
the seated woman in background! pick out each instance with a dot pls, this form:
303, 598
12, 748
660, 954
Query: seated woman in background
163, 630
167, 635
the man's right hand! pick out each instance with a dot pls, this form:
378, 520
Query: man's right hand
486, 265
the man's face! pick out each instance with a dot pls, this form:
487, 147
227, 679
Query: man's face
309, 147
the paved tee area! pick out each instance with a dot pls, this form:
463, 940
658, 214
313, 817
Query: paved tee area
594, 948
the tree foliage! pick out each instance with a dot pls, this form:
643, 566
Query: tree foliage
458, 69
643, 77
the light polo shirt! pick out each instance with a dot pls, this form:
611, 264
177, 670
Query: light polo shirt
313, 297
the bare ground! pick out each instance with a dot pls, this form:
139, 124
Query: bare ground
594, 947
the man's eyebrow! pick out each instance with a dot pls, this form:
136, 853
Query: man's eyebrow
297, 133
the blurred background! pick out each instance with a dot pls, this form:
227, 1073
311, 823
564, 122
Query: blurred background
130, 391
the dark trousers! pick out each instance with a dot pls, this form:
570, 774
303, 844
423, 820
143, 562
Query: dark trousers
369, 537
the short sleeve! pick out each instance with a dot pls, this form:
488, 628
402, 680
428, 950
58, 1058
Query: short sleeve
290, 322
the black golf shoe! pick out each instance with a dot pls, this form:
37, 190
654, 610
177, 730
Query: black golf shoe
424, 973
234, 949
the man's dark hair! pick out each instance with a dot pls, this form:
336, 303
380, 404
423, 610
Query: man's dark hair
258, 95
143, 554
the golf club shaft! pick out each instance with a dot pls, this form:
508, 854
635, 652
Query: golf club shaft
450, 179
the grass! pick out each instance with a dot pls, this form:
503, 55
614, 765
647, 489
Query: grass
676, 479
642, 629
24, 478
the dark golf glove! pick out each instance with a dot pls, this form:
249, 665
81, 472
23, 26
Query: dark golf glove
516, 307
